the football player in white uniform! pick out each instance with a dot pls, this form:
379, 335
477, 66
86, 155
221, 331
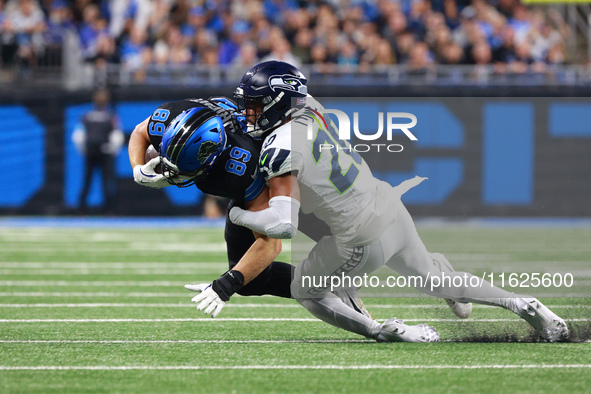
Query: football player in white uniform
307, 167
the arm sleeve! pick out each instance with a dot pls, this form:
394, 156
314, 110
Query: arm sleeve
280, 220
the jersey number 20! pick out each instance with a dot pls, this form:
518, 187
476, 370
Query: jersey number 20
341, 181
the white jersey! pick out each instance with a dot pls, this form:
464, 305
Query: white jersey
335, 183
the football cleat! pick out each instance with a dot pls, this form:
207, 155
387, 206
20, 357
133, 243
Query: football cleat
551, 327
460, 309
350, 296
394, 330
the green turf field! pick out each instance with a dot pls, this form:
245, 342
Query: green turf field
100, 310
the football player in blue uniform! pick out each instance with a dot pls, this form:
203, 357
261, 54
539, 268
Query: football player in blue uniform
201, 142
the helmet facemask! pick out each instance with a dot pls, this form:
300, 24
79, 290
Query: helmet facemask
257, 109
179, 178
252, 107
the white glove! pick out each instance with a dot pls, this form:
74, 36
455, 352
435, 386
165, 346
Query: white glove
145, 175
208, 299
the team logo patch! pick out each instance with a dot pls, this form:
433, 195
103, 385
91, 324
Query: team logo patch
206, 149
287, 82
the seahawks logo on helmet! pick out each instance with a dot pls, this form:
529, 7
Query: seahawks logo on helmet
206, 149
287, 82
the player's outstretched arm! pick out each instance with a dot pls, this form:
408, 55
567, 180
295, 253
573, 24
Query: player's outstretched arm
280, 220
139, 141
144, 173
214, 296
259, 256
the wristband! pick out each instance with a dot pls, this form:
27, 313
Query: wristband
228, 284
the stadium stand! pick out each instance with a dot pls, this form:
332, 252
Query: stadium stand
148, 41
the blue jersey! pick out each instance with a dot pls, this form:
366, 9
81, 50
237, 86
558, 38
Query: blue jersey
235, 174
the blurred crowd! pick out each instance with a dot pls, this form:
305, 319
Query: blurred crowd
327, 34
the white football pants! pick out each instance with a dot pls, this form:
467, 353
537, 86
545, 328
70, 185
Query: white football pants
401, 249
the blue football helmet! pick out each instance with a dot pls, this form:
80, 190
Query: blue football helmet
269, 93
190, 146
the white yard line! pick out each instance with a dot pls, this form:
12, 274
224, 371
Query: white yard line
48, 246
286, 367
131, 305
94, 248
245, 319
230, 305
87, 283
110, 264
195, 341
100, 294
205, 319
185, 272
140, 283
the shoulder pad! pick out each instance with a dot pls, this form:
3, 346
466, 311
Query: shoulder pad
221, 109
225, 103
241, 120
275, 162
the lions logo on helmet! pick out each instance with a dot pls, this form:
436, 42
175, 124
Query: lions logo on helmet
206, 149
287, 82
